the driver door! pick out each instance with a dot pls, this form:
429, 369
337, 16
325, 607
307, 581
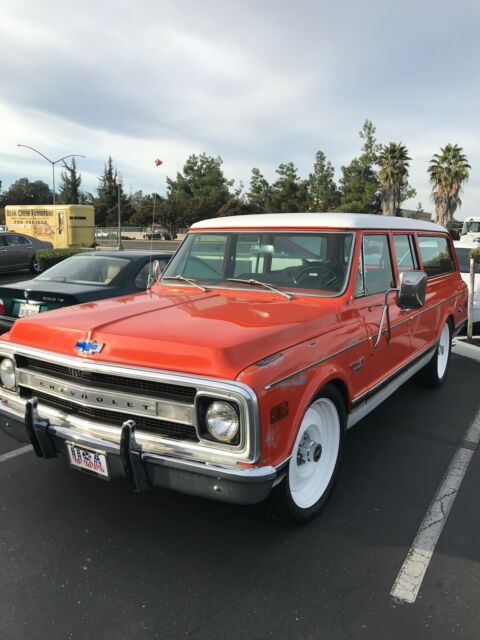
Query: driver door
386, 352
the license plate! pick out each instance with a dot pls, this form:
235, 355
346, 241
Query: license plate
27, 309
88, 460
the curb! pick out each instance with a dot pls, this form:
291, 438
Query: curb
462, 348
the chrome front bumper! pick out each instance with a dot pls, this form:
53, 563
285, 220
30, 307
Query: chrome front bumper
143, 469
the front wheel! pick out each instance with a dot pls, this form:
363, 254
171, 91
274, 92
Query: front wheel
435, 372
315, 460
35, 266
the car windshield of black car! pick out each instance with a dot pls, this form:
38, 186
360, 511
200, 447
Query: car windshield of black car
97, 270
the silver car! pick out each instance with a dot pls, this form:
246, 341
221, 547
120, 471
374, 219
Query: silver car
18, 251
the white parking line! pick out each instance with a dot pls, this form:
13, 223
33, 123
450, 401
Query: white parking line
410, 577
16, 452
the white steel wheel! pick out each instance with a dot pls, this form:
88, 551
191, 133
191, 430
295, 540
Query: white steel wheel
443, 351
314, 454
314, 461
435, 372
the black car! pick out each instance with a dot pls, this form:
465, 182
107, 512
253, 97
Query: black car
82, 278
158, 234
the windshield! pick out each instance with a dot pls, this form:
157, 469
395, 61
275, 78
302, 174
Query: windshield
99, 270
316, 261
470, 227
463, 256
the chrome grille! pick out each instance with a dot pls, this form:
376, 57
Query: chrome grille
177, 393
152, 425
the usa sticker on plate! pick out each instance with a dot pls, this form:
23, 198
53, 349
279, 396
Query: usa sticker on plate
88, 460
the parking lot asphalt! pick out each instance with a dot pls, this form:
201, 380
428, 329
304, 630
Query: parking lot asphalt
84, 558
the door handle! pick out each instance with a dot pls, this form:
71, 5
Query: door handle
3, 251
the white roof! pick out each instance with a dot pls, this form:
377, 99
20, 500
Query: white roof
315, 221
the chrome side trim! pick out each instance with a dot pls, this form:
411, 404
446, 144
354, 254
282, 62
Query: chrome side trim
315, 364
372, 403
354, 344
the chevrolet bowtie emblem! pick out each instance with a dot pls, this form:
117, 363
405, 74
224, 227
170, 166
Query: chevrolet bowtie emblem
88, 346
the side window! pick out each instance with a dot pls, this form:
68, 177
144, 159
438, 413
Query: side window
404, 252
14, 240
375, 273
436, 256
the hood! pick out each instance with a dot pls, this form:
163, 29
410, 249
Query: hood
215, 333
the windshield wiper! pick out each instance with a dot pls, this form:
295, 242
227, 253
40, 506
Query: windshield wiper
194, 283
267, 285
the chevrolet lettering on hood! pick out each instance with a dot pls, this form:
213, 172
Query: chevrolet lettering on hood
106, 399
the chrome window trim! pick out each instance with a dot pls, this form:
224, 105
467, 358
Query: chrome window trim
294, 292
234, 391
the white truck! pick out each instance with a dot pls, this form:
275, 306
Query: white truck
471, 230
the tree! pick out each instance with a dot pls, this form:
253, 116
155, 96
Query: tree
323, 194
106, 202
259, 193
448, 170
393, 161
70, 186
359, 184
288, 192
371, 147
359, 188
201, 190
146, 209
22, 191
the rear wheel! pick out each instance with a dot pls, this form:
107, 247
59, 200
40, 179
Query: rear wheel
35, 266
435, 372
315, 461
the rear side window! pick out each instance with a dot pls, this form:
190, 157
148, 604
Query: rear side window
375, 273
404, 253
436, 256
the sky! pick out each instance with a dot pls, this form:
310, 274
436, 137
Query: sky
256, 82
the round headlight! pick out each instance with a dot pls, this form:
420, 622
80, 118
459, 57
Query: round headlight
7, 373
222, 421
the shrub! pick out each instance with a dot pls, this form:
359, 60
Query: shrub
475, 253
48, 257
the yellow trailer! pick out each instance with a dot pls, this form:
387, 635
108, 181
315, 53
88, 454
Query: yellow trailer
64, 225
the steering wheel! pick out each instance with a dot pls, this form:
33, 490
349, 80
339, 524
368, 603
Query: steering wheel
332, 280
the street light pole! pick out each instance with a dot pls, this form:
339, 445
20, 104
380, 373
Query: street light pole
119, 182
52, 162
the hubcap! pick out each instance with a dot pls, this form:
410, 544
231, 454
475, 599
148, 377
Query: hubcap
314, 454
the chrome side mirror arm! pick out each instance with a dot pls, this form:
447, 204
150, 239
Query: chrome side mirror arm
385, 316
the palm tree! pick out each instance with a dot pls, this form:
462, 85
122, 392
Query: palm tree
393, 161
448, 170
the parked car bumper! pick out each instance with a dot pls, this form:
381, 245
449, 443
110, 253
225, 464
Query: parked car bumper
233, 484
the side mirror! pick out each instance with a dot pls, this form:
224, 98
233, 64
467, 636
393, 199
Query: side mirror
154, 274
412, 290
